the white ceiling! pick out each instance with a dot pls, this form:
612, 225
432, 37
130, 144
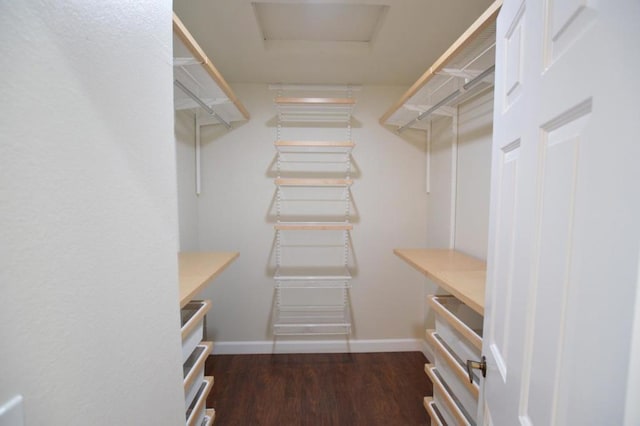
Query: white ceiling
408, 37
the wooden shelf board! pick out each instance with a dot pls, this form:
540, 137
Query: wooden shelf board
487, 18
321, 144
312, 273
313, 226
461, 275
196, 269
315, 101
312, 182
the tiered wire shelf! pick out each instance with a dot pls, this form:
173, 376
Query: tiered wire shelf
316, 174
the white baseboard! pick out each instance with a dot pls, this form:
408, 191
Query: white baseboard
289, 346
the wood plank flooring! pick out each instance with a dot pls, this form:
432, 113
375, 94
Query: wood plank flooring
319, 389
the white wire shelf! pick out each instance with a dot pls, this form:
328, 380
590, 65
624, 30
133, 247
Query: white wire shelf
315, 146
313, 110
313, 226
313, 182
301, 320
469, 59
312, 273
195, 72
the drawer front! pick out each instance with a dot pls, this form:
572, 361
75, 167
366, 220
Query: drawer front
458, 325
454, 373
452, 412
196, 411
193, 368
434, 412
192, 325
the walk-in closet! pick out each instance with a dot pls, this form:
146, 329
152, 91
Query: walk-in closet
345, 212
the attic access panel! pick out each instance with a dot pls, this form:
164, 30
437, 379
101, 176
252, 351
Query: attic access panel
319, 22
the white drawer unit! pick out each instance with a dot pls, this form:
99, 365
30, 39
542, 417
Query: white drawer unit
192, 325
446, 401
193, 371
433, 411
453, 372
196, 411
459, 326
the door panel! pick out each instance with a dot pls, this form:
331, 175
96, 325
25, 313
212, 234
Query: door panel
564, 233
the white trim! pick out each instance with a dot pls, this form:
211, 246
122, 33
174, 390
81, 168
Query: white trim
286, 345
632, 409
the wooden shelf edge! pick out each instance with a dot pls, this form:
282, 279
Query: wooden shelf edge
312, 226
185, 36
312, 182
478, 26
331, 144
192, 282
315, 101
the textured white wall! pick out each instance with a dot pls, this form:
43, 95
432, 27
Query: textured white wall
186, 174
89, 317
238, 190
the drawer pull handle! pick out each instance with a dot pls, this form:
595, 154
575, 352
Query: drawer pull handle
480, 365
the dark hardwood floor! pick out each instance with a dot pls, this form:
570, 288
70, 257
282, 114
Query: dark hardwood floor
319, 389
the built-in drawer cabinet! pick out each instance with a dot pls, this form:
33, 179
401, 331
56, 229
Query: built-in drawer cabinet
194, 354
453, 371
192, 325
196, 411
193, 371
433, 411
456, 339
451, 411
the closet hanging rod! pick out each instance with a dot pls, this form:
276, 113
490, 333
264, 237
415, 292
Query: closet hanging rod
456, 94
201, 103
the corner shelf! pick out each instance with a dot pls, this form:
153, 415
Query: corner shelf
462, 71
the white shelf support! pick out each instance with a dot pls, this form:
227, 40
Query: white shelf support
200, 102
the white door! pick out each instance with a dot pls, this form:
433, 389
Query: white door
565, 213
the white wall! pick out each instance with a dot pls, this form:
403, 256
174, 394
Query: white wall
89, 317
186, 174
461, 171
475, 131
389, 193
